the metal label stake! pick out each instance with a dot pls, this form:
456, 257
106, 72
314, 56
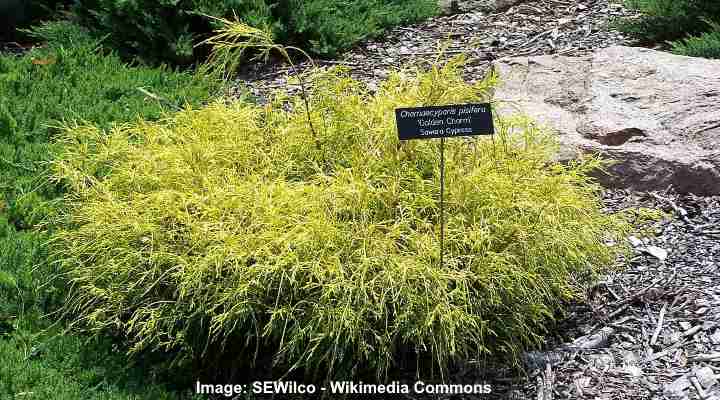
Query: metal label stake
441, 122
442, 201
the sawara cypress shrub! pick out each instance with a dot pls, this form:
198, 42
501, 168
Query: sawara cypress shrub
235, 231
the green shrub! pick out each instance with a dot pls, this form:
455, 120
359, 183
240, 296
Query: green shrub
65, 367
167, 30
69, 80
706, 45
164, 30
229, 232
21, 13
19, 290
326, 27
664, 20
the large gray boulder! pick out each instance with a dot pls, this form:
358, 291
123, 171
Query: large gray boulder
656, 114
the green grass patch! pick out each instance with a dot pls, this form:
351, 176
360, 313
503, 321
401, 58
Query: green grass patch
70, 80
236, 232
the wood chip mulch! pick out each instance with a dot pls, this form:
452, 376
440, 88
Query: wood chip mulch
563, 27
14, 48
651, 330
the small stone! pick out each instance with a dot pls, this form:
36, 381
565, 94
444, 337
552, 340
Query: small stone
678, 385
685, 325
601, 361
633, 370
715, 337
706, 377
630, 358
674, 337
657, 252
635, 241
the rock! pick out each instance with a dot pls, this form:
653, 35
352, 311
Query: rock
706, 377
633, 370
635, 241
597, 340
656, 114
657, 252
678, 385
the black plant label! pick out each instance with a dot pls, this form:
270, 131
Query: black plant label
444, 121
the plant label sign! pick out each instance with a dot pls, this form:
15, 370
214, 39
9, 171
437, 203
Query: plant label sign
444, 121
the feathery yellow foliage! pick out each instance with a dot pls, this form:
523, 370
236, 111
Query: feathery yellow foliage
227, 230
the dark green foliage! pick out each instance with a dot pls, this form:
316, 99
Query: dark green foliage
50, 365
69, 80
19, 292
167, 30
20, 13
12, 13
667, 20
328, 26
45, 9
706, 45
163, 30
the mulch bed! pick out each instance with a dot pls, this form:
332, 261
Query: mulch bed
651, 330
562, 27
648, 330
13, 48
